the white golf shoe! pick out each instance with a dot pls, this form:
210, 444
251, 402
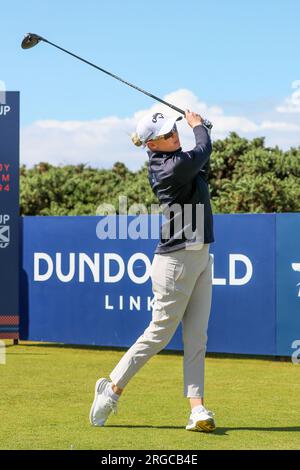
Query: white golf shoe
102, 405
201, 419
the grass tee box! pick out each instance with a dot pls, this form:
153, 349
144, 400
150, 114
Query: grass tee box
46, 392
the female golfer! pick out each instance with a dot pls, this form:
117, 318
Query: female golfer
181, 268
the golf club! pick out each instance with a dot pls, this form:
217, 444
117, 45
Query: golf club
31, 40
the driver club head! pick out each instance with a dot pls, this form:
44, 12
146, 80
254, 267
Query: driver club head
30, 40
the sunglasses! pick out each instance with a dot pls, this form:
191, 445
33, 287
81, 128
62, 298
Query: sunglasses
166, 136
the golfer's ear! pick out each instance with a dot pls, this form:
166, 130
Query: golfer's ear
151, 145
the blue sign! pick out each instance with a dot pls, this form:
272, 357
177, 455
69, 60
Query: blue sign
9, 214
243, 318
79, 289
288, 284
83, 290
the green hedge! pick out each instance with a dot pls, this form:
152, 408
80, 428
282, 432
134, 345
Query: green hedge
245, 176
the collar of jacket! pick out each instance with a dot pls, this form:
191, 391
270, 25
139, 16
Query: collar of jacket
160, 154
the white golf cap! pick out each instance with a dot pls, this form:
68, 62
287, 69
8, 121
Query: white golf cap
154, 125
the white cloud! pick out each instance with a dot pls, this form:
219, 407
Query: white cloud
292, 103
283, 126
102, 142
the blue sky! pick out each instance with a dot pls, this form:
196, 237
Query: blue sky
240, 56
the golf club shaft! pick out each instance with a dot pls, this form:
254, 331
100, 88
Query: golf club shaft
116, 77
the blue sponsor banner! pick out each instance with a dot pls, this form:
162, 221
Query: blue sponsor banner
243, 318
79, 289
288, 284
104, 300
9, 214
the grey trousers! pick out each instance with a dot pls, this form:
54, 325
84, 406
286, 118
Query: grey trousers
182, 286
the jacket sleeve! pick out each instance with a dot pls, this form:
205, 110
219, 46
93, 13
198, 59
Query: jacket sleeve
188, 164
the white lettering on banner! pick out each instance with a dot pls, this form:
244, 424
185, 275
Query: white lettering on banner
117, 277
135, 303
217, 281
36, 270
233, 280
138, 273
296, 267
150, 304
106, 305
4, 109
4, 230
132, 303
4, 218
133, 277
93, 265
65, 277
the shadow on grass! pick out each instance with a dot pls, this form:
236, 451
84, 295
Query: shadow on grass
26, 353
219, 431
223, 431
67, 346
29, 344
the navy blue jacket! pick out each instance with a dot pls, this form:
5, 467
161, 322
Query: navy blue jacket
181, 178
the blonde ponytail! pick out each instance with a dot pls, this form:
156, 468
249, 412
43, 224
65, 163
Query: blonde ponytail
136, 140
